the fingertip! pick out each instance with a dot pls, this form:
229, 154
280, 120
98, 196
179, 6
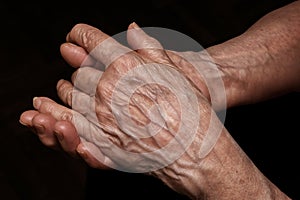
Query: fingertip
38, 101
63, 48
27, 116
63, 83
64, 90
59, 83
68, 37
67, 45
133, 25
73, 54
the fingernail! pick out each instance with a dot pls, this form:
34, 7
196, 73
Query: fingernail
23, 123
68, 45
68, 37
59, 135
134, 25
36, 102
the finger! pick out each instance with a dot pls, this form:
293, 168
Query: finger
27, 116
86, 130
84, 153
146, 45
80, 102
26, 119
61, 113
76, 56
48, 106
64, 90
93, 143
138, 39
73, 54
85, 105
67, 136
44, 127
86, 79
100, 46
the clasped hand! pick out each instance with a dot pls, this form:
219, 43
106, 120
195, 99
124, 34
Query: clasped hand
141, 114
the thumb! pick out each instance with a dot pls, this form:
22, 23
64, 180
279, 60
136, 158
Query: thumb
138, 39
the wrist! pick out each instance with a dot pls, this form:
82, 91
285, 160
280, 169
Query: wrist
235, 64
264, 61
253, 72
225, 173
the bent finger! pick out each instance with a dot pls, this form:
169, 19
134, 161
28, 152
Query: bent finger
146, 45
27, 116
67, 136
77, 56
48, 106
64, 90
79, 101
86, 79
44, 127
73, 54
100, 45
84, 153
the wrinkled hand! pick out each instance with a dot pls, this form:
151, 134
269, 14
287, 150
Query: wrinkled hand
248, 73
142, 93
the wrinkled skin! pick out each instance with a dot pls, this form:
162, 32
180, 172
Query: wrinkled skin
105, 127
148, 51
72, 128
249, 64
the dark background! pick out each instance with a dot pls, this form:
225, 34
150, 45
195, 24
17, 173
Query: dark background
31, 34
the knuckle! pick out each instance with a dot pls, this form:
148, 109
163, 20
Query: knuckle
38, 119
104, 84
126, 62
88, 36
85, 33
46, 107
66, 115
151, 42
106, 88
77, 26
74, 75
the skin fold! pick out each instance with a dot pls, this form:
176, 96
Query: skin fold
248, 66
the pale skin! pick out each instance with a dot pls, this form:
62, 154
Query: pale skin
261, 63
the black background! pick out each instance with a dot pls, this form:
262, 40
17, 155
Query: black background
31, 64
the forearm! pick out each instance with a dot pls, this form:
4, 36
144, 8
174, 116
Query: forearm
226, 173
265, 58
230, 174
